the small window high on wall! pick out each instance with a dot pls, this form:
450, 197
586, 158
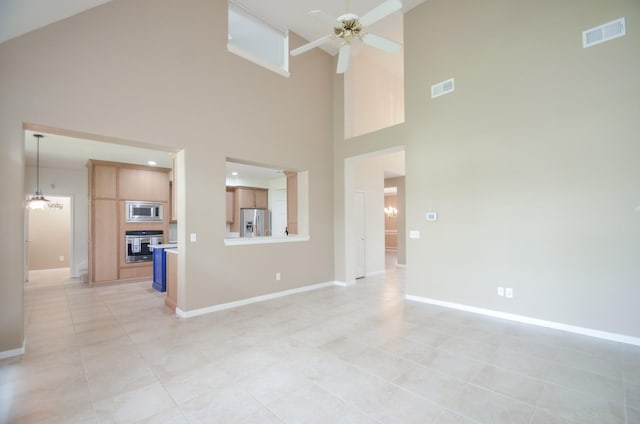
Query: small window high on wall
258, 41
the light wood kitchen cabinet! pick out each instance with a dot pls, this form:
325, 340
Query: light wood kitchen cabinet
248, 197
173, 194
292, 202
111, 184
172, 279
103, 182
229, 203
143, 184
104, 241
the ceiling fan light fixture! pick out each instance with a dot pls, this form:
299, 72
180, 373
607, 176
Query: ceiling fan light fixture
38, 201
349, 26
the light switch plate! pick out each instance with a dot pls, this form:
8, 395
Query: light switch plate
432, 216
414, 235
193, 237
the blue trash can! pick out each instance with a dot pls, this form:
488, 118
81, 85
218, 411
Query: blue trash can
159, 269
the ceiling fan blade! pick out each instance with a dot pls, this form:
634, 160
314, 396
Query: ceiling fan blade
381, 11
325, 17
381, 43
311, 45
343, 59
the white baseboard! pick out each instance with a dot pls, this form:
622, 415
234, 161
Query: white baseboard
345, 284
401, 265
13, 352
242, 302
615, 337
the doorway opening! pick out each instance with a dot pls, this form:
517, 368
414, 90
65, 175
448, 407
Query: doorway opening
63, 173
49, 252
365, 230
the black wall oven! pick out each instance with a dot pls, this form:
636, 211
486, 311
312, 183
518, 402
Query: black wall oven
137, 245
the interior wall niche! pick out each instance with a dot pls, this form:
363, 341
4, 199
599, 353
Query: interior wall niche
374, 84
282, 192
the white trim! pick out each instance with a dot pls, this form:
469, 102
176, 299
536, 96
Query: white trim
242, 302
259, 62
615, 337
242, 241
401, 265
13, 352
343, 284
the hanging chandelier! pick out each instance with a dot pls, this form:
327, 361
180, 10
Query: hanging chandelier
37, 200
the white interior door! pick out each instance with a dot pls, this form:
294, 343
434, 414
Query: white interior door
361, 254
279, 219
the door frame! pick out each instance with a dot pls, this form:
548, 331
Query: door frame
349, 241
70, 253
360, 233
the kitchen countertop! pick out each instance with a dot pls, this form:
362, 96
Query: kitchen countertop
164, 246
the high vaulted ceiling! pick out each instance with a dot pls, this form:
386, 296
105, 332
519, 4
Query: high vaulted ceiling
18, 17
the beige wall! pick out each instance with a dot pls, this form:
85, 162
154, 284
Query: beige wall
532, 163
72, 183
164, 79
49, 235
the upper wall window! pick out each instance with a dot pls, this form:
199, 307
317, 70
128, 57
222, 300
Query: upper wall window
258, 41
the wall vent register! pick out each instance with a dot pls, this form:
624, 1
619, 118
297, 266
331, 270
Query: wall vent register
604, 32
442, 88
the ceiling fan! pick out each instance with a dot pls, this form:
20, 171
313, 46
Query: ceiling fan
349, 26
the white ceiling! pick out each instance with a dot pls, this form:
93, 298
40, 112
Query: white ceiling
251, 172
57, 151
294, 15
18, 17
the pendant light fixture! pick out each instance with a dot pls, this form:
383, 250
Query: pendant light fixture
37, 200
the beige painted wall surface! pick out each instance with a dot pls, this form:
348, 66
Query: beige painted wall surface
68, 182
49, 235
532, 163
165, 79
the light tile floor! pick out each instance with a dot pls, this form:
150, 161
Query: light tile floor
361, 354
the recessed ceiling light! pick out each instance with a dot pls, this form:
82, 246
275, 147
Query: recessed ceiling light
152, 163
234, 173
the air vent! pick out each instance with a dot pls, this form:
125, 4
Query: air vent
604, 32
442, 88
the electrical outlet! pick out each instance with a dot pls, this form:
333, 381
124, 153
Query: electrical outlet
508, 292
501, 291
278, 276
61, 258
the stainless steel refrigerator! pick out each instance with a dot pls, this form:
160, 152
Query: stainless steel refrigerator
255, 222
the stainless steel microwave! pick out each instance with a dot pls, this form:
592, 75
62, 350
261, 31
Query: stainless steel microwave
143, 211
